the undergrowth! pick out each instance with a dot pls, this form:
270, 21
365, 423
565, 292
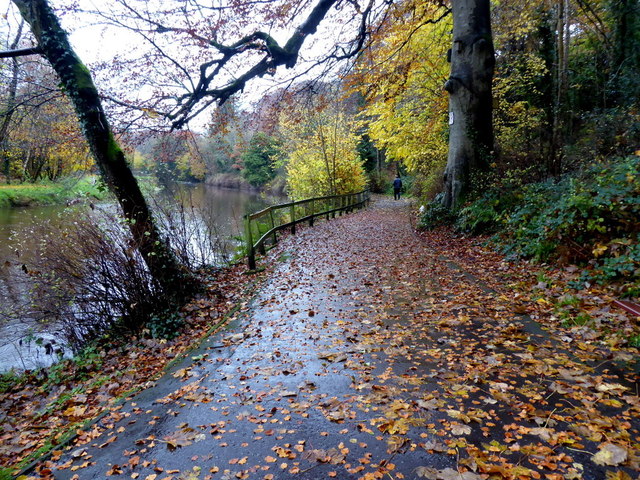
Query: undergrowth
590, 218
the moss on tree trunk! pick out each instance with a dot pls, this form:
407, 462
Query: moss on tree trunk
78, 85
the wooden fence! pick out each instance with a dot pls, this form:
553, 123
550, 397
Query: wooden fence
265, 224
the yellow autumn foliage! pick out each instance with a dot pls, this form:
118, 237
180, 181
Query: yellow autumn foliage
47, 144
320, 151
402, 80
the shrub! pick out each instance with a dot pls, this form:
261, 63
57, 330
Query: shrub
166, 325
589, 218
435, 214
579, 215
485, 214
89, 278
379, 182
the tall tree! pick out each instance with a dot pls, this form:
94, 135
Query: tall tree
400, 79
470, 99
76, 80
8, 109
320, 145
259, 159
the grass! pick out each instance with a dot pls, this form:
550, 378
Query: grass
50, 193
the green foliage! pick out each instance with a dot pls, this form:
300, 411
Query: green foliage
379, 182
435, 214
50, 193
8, 380
484, 214
166, 325
259, 159
590, 218
6, 474
79, 368
369, 154
625, 262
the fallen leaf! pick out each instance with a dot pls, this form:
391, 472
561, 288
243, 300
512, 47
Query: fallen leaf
458, 429
610, 454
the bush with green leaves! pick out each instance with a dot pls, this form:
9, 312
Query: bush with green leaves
591, 218
435, 214
166, 325
486, 214
585, 216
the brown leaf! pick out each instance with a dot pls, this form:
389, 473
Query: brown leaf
610, 454
427, 472
451, 474
458, 429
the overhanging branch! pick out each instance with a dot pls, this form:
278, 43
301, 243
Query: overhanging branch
275, 56
22, 52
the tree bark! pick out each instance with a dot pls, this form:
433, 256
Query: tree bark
470, 98
561, 83
10, 107
114, 169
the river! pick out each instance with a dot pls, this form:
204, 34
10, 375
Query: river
19, 344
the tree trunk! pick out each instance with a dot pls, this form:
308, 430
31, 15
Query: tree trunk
470, 99
10, 107
562, 68
114, 169
625, 63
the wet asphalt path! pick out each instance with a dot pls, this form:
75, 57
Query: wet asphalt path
281, 391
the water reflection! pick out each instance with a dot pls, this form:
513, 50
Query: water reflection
220, 209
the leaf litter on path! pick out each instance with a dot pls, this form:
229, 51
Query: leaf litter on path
420, 361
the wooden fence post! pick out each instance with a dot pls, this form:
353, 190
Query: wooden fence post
273, 226
292, 211
251, 254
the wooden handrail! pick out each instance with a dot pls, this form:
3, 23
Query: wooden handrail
285, 215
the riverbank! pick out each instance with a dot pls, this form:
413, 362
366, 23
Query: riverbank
50, 193
277, 187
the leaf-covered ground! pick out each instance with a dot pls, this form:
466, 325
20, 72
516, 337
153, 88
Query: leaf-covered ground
374, 352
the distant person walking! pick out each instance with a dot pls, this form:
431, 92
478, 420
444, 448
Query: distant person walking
397, 187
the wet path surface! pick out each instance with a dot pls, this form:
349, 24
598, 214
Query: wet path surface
366, 356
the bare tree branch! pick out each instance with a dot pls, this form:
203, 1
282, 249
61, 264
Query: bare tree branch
274, 56
22, 52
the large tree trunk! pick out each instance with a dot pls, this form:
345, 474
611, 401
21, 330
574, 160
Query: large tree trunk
470, 100
78, 84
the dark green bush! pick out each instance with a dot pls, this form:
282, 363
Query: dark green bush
166, 326
435, 214
591, 218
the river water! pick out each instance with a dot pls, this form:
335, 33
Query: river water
19, 344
